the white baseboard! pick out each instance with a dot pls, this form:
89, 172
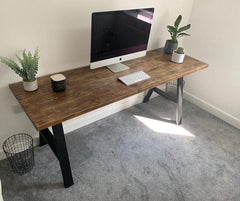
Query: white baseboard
103, 112
212, 109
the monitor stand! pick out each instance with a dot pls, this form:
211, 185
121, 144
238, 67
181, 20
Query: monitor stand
118, 67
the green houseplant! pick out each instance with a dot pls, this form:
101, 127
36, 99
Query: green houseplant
175, 33
28, 69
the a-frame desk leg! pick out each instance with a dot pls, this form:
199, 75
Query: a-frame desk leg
178, 100
56, 141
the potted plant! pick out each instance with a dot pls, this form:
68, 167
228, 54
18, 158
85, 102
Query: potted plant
175, 33
28, 69
178, 55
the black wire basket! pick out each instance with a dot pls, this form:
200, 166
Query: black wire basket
19, 151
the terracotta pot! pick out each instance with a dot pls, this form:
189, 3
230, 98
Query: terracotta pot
30, 85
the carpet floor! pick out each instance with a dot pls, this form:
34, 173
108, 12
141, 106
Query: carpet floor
135, 156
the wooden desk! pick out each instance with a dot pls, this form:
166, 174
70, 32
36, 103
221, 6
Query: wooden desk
88, 90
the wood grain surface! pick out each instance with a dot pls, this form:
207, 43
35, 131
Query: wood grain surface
87, 89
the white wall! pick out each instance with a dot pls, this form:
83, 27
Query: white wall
61, 30
215, 40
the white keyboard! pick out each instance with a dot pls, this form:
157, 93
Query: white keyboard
134, 77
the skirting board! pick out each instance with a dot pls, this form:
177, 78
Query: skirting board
103, 112
212, 109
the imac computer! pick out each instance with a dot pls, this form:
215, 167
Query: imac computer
119, 36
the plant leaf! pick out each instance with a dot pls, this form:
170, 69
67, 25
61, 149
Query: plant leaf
177, 22
183, 34
172, 29
184, 28
36, 59
24, 55
170, 33
20, 60
13, 65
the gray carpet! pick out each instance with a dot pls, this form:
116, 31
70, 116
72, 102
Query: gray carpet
132, 156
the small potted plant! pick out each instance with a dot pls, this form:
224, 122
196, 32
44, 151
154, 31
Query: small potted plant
28, 69
178, 55
175, 33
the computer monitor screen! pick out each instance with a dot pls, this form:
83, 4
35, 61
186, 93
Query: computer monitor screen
119, 35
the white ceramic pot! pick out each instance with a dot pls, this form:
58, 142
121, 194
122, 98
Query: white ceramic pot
177, 58
30, 86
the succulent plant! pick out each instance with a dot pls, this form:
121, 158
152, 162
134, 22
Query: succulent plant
180, 50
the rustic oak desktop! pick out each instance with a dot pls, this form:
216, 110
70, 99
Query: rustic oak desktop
87, 90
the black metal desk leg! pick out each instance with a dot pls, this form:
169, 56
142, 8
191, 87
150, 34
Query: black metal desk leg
179, 101
61, 152
41, 140
149, 93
